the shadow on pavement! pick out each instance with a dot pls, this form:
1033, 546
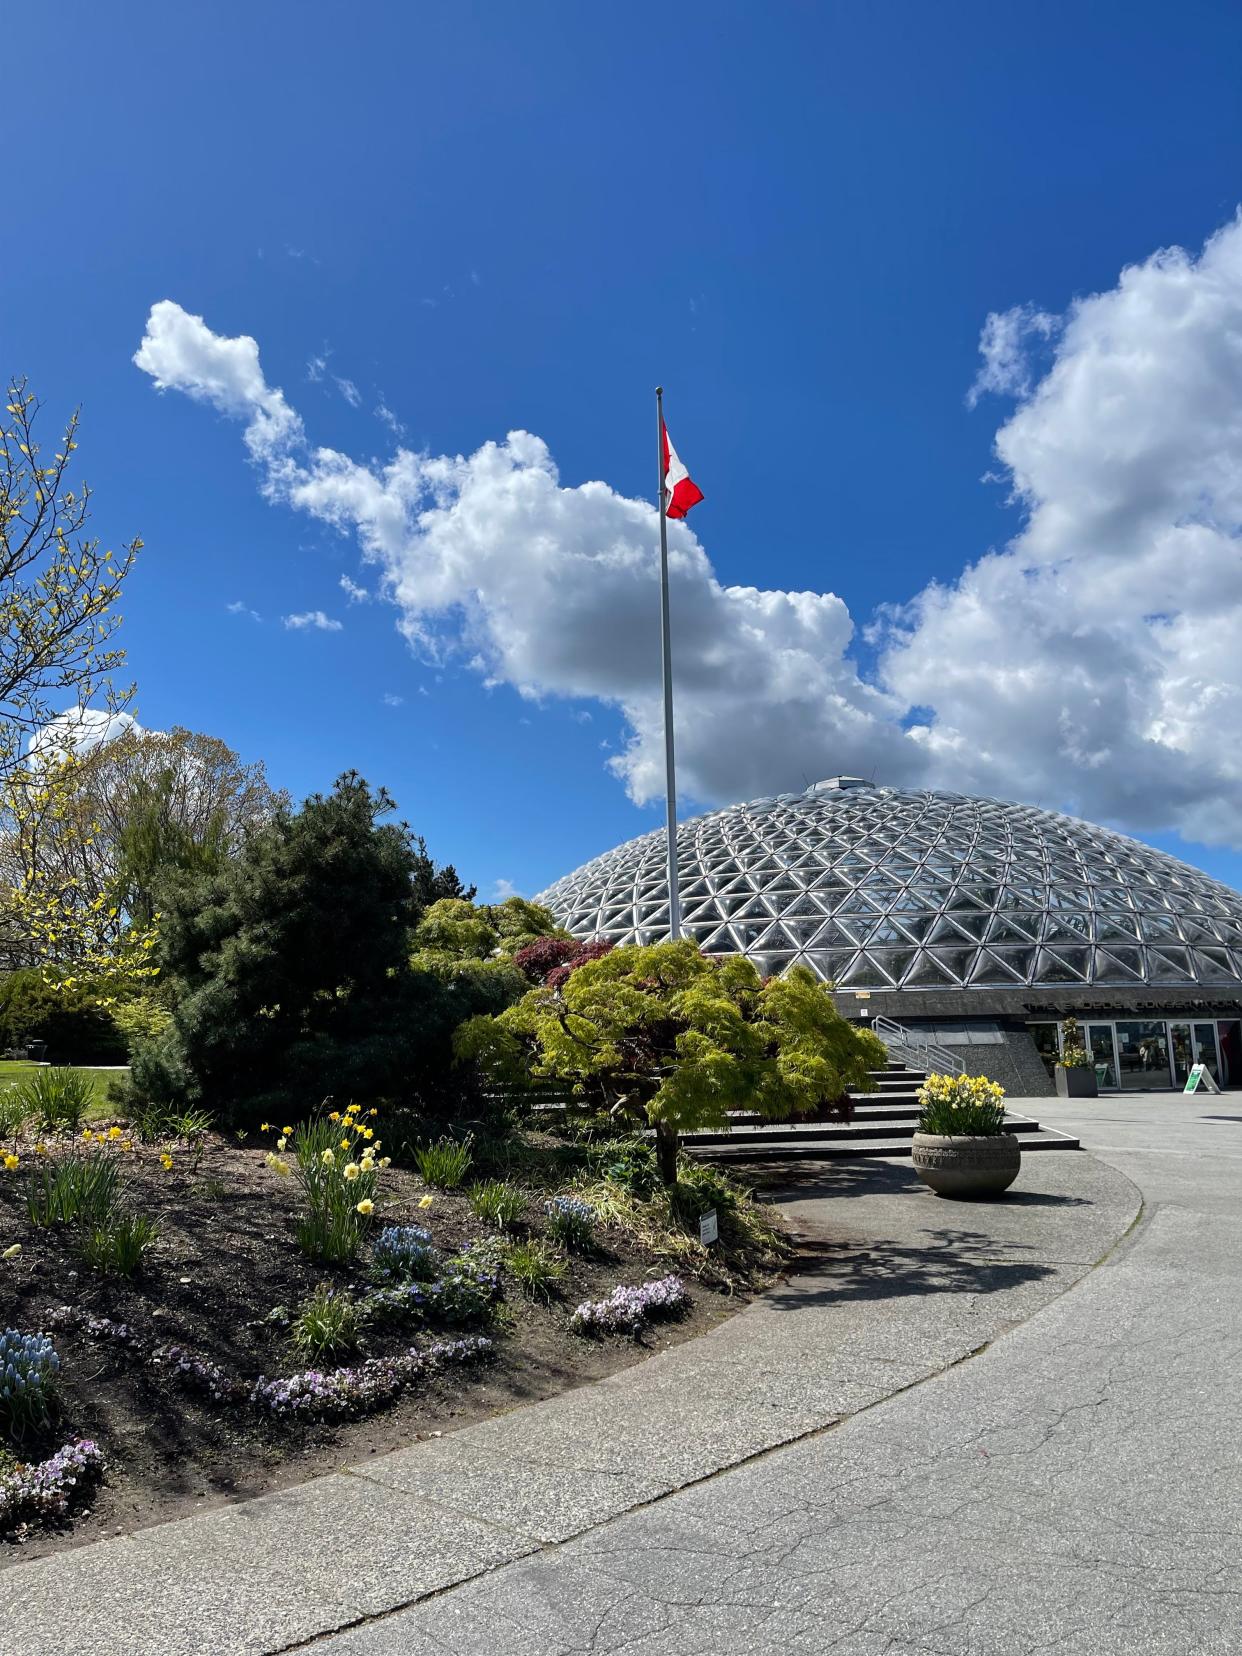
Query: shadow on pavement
950, 1262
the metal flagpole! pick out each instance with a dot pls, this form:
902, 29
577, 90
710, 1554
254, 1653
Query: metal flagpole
666, 658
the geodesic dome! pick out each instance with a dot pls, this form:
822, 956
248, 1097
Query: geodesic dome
881, 888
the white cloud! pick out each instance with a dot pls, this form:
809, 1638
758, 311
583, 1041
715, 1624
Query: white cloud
504, 888
237, 607
1005, 350
383, 412
355, 593
79, 730
315, 367
348, 390
393, 701
1092, 662
315, 619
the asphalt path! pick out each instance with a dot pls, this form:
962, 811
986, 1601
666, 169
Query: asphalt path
1075, 1487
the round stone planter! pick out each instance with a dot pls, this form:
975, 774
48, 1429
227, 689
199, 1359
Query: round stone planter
966, 1167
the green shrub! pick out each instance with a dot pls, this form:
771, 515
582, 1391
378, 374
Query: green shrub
445, 1163
140, 1019
57, 1099
77, 1029
496, 1203
118, 1244
538, 1270
628, 1162
327, 1323
81, 1188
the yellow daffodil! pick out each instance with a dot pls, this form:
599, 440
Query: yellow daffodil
350, 1171
282, 1141
328, 1158
425, 1201
11, 1161
344, 1144
373, 1113
87, 1134
167, 1161
40, 1149
385, 1161
368, 1132
366, 1205
127, 1144
114, 1132
276, 1164
266, 1127
287, 1131
335, 1115
352, 1109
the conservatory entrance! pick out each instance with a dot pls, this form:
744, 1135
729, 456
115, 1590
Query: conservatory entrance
1141, 1054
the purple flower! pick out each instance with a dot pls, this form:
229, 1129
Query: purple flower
37, 1493
627, 1309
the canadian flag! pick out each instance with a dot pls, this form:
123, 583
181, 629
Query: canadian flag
680, 488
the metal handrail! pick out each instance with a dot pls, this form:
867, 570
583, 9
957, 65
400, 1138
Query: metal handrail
909, 1044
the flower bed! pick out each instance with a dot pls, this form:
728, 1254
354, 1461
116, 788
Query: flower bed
42, 1493
626, 1309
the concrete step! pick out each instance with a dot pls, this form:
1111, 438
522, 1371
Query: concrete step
838, 1150
864, 1132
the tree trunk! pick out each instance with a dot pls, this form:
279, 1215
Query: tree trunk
666, 1152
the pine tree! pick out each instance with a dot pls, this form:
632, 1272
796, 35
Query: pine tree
288, 969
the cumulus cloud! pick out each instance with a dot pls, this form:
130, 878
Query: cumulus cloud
1094, 661
237, 607
316, 620
1090, 663
355, 593
79, 730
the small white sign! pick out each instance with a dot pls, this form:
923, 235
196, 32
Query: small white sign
709, 1229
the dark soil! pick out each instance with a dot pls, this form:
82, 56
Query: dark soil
224, 1258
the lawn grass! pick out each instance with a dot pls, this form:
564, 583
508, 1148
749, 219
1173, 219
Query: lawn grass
18, 1069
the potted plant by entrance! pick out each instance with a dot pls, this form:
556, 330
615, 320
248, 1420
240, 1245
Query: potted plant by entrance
1075, 1071
961, 1147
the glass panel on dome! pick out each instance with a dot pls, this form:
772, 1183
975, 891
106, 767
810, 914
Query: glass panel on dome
865, 974
800, 932
1213, 965
833, 936
1055, 968
884, 931
893, 962
747, 932
1066, 927
990, 968
1017, 928
945, 931
1112, 967
972, 922
958, 962
1111, 928
1195, 930
927, 973
756, 909
772, 964
1168, 964
1160, 928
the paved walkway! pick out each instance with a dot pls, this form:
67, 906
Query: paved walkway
1077, 1488
900, 1286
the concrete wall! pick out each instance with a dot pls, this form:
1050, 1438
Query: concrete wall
1014, 1062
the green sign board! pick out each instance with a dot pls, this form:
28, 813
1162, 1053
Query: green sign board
1200, 1076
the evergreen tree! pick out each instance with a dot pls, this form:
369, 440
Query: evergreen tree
288, 971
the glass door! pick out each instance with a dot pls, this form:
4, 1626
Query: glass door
1182, 1045
1205, 1050
1103, 1053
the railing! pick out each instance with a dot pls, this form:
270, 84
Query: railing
914, 1049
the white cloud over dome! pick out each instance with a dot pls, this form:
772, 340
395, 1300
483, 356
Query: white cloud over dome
1090, 663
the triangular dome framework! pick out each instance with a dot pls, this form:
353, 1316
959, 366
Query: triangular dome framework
884, 888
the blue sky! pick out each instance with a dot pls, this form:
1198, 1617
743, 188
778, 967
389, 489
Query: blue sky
798, 217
